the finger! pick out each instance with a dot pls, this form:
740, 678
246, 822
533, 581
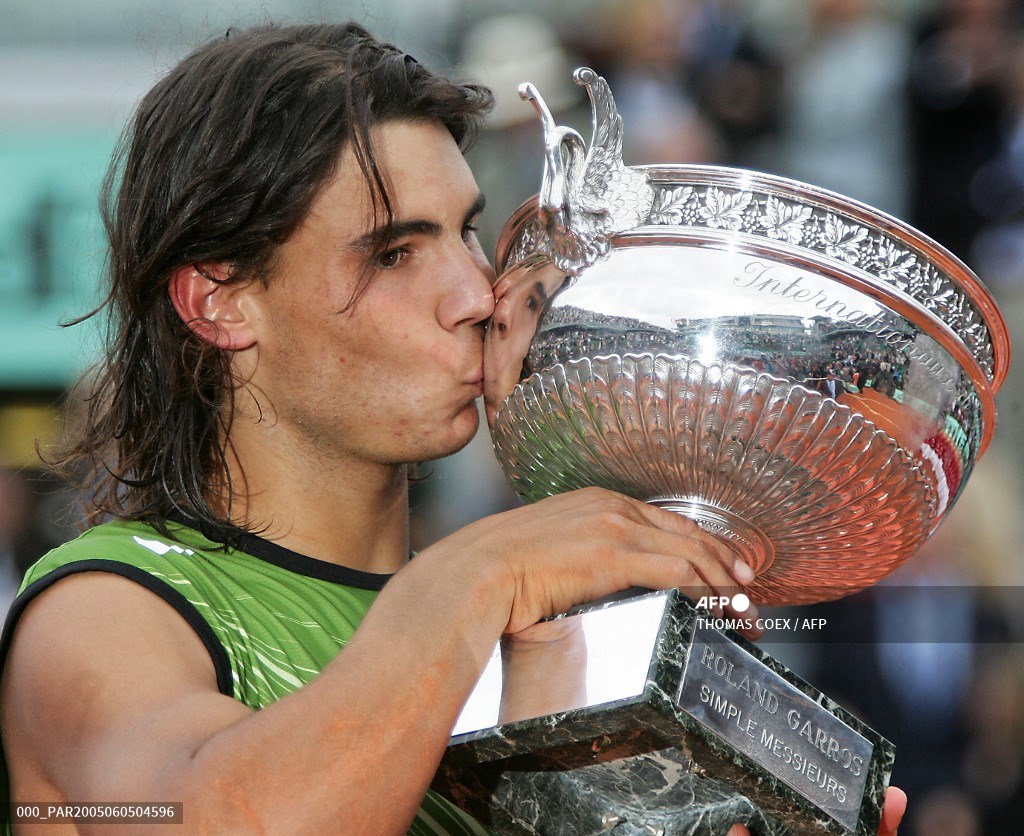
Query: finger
644, 567
892, 811
674, 521
698, 551
739, 571
623, 524
738, 830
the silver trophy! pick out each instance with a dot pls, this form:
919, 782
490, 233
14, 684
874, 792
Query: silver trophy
809, 379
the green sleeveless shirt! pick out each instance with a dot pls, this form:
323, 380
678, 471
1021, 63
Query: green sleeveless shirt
270, 618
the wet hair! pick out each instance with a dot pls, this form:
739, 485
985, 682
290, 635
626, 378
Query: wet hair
221, 163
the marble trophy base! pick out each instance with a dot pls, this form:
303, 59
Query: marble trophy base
658, 723
602, 788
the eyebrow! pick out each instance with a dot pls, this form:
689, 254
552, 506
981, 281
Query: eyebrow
380, 236
542, 292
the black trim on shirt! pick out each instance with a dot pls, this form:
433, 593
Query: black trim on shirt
184, 607
300, 564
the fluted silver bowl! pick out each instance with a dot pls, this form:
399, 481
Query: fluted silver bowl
810, 379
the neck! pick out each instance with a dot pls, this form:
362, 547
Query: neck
354, 514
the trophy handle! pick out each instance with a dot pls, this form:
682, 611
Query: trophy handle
563, 158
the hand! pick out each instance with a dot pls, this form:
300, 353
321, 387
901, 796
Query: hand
892, 814
580, 546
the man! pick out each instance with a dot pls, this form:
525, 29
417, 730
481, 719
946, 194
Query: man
299, 302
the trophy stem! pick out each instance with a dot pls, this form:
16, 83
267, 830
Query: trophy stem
750, 543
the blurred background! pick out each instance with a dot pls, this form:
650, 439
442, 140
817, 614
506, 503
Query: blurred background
913, 106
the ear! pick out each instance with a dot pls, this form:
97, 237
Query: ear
212, 306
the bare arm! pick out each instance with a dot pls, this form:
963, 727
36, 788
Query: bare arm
108, 695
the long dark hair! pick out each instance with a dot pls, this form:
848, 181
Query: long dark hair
221, 163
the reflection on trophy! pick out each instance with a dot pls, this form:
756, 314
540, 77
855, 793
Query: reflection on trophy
808, 379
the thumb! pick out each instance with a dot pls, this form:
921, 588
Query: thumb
892, 811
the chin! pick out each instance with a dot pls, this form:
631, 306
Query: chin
461, 431
464, 440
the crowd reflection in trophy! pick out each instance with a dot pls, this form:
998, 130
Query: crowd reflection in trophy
841, 363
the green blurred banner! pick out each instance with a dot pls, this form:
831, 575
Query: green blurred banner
52, 254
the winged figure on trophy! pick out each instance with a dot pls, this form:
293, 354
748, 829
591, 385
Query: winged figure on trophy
587, 194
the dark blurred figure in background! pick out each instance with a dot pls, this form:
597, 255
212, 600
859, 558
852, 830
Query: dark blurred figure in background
997, 190
736, 79
993, 769
14, 514
649, 55
843, 122
957, 111
20, 543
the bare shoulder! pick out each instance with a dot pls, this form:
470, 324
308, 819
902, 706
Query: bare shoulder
104, 680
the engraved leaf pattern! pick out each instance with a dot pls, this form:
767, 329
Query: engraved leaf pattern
895, 263
784, 222
919, 279
722, 210
842, 240
941, 293
668, 205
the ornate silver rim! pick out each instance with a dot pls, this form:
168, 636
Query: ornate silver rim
842, 231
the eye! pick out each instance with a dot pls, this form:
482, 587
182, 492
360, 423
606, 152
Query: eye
390, 259
469, 231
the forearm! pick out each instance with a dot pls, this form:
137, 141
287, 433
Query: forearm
360, 744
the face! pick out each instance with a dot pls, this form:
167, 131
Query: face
522, 297
393, 377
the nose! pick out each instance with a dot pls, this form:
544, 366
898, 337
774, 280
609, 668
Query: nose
468, 297
501, 318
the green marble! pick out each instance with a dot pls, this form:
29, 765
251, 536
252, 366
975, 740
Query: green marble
602, 788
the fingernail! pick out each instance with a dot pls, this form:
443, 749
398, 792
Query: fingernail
742, 572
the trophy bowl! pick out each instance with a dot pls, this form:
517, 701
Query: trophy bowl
808, 378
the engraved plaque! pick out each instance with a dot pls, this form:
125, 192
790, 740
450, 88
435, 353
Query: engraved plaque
774, 724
